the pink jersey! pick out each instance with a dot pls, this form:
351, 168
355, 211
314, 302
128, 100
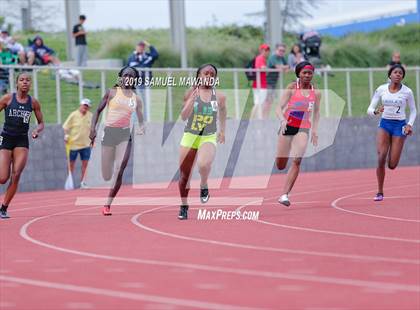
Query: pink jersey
299, 108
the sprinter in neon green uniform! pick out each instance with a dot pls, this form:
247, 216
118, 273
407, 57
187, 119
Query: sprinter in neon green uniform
202, 107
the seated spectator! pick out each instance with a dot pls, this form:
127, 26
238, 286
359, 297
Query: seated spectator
10, 43
295, 57
41, 54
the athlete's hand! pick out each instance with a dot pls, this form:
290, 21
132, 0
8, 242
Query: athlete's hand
35, 134
92, 137
408, 130
221, 137
283, 125
379, 110
314, 138
141, 130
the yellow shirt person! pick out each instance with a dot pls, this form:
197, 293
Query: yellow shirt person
76, 135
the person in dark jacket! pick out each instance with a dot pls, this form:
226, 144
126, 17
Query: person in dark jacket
45, 55
140, 58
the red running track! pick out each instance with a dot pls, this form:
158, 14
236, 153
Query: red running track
334, 248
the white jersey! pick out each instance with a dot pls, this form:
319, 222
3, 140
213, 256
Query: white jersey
394, 103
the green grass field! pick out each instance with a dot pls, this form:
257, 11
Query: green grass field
360, 93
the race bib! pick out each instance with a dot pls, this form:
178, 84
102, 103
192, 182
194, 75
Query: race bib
311, 106
214, 105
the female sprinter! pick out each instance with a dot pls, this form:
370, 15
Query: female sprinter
14, 144
393, 128
202, 107
295, 108
122, 101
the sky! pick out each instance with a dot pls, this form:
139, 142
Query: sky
142, 14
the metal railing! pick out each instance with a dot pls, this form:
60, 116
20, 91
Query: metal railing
325, 76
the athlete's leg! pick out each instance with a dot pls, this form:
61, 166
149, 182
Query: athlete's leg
299, 143
122, 155
108, 158
20, 157
5, 161
205, 158
397, 144
283, 150
187, 158
383, 141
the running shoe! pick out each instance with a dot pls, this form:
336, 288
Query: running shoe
204, 195
3, 214
284, 200
379, 197
83, 185
183, 213
106, 211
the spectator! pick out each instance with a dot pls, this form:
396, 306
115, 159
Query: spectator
79, 34
395, 60
42, 53
275, 61
76, 134
295, 57
12, 45
260, 91
142, 59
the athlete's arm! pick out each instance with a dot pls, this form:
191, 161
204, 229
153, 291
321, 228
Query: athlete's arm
373, 103
98, 112
413, 113
284, 100
413, 110
139, 112
36, 107
317, 114
222, 118
189, 103
4, 101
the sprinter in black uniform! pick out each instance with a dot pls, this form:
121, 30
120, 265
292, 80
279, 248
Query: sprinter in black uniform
14, 143
202, 107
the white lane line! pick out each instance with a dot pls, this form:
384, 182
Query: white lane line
212, 268
120, 294
135, 220
339, 233
334, 204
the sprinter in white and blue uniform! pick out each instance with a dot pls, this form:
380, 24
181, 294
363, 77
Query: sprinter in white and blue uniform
393, 127
14, 142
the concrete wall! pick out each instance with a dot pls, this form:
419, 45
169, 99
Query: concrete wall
251, 153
